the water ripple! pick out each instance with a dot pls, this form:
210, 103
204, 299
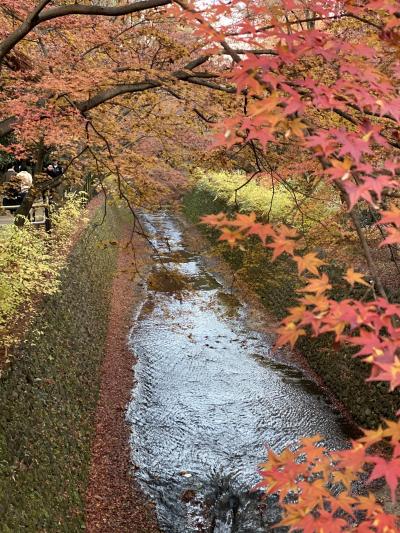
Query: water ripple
207, 401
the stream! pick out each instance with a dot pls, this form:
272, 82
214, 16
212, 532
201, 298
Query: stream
210, 395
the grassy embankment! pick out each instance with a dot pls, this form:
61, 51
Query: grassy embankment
49, 393
275, 283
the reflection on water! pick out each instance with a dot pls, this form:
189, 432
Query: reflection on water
209, 396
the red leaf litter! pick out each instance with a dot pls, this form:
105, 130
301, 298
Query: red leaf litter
115, 503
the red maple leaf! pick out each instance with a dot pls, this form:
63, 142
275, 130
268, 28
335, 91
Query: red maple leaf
390, 470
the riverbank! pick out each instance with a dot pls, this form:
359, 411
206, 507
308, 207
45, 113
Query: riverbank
275, 284
50, 391
114, 500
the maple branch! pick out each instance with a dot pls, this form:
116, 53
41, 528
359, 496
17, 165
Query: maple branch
364, 244
200, 78
7, 125
255, 51
99, 45
136, 219
112, 92
38, 16
392, 249
119, 90
317, 18
9, 12
367, 254
184, 74
292, 191
210, 84
201, 115
197, 62
351, 119
244, 185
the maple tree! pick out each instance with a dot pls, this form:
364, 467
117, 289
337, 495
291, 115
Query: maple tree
319, 67
108, 89
122, 93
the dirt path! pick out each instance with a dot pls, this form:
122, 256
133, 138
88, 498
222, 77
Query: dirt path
115, 503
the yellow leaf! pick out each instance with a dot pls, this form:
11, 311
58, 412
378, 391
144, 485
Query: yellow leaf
354, 277
309, 262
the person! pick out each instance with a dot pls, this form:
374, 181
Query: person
18, 185
50, 170
11, 190
25, 181
54, 170
10, 174
19, 165
18, 181
58, 169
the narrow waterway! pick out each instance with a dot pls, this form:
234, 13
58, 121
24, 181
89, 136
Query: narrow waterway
210, 395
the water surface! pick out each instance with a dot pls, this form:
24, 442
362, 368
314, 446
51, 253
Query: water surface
209, 396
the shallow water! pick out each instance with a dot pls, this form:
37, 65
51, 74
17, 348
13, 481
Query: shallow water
209, 397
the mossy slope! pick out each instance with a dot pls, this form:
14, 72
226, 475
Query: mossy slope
275, 284
48, 396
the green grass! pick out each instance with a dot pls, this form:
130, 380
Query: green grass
252, 197
277, 203
48, 396
275, 283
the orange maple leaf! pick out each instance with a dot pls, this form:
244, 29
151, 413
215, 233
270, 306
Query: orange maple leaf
231, 237
215, 220
317, 285
343, 501
262, 231
243, 222
312, 452
345, 476
296, 127
310, 262
392, 430
276, 460
341, 169
313, 492
391, 217
368, 504
296, 314
354, 277
372, 436
289, 333
320, 302
298, 517
390, 372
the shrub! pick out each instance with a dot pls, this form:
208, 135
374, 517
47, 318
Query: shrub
30, 264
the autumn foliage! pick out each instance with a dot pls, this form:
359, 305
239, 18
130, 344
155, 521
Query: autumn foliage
288, 87
293, 91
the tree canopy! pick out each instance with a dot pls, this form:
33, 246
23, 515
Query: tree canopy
297, 92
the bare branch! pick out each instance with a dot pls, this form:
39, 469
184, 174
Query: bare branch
38, 16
